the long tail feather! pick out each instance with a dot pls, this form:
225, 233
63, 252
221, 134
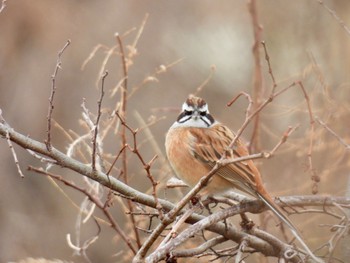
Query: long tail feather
280, 214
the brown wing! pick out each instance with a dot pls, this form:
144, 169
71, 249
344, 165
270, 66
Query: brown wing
208, 145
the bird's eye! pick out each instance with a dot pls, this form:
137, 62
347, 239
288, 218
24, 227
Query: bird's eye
203, 113
188, 112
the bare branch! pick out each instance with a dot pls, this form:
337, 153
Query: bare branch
267, 58
123, 131
250, 102
333, 133
314, 176
206, 81
99, 113
41, 158
53, 90
8, 139
242, 247
258, 79
200, 249
284, 138
91, 55
147, 166
205, 223
336, 17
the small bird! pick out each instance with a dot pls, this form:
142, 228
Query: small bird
196, 141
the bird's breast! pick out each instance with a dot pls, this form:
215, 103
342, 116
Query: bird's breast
188, 168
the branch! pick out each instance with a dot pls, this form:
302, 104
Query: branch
336, 17
53, 90
200, 249
314, 177
146, 166
94, 139
258, 88
123, 131
14, 154
267, 58
333, 133
148, 200
206, 81
207, 222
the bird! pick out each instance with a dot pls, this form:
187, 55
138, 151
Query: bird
196, 142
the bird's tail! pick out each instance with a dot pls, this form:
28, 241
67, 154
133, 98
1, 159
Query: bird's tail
280, 214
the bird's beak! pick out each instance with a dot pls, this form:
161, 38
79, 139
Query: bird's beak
195, 115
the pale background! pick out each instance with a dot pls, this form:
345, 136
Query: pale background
35, 217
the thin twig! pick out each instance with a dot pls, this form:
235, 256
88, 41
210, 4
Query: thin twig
91, 55
193, 252
139, 32
258, 79
99, 113
206, 81
177, 225
41, 158
336, 17
250, 102
108, 55
123, 132
8, 139
151, 78
81, 250
125, 73
314, 176
333, 133
146, 166
267, 58
116, 158
53, 90
241, 250
284, 138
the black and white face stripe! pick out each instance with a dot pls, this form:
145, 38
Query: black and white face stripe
195, 113
208, 119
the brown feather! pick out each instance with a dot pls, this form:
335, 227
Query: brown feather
208, 145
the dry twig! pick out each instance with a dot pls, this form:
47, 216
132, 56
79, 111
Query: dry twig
8, 139
258, 79
123, 132
53, 90
333, 133
336, 17
99, 113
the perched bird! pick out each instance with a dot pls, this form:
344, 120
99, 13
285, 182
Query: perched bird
196, 141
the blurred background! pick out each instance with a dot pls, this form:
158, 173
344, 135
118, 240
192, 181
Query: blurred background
206, 39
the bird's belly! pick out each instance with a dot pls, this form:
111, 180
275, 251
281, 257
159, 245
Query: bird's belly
191, 170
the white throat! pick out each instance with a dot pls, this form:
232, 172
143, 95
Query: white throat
196, 123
